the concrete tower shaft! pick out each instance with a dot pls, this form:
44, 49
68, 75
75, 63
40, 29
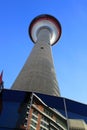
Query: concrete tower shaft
38, 74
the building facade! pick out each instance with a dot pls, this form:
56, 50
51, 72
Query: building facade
21, 110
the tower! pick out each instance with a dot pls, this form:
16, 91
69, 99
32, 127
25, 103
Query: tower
38, 74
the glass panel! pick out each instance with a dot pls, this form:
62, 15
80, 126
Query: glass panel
56, 103
76, 110
12, 104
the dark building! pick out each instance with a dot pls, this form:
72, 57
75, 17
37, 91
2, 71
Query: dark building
21, 110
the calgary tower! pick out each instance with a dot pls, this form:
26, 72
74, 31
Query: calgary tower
38, 74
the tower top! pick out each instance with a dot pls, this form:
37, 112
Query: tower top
48, 22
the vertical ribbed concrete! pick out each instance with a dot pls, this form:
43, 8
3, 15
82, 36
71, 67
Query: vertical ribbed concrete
38, 74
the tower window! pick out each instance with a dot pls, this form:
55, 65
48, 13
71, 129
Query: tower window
42, 47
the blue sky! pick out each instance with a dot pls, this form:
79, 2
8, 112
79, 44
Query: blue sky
70, 54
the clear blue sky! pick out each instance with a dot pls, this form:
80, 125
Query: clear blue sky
70, 54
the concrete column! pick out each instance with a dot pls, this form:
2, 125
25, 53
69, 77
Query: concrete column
38, 74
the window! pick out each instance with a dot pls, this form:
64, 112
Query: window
35, 112
44, 124
34, 117
41, 128
48, 112
45, 119
33, 123
31, 128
